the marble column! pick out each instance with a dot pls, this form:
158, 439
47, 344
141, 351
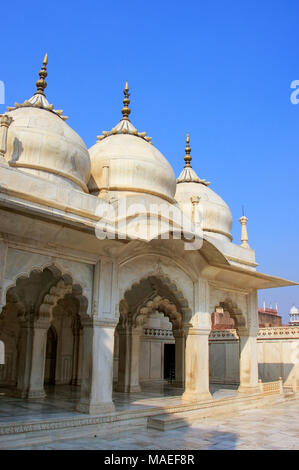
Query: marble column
248, 362
24, 358
97, 367
38, 359
32, 357
76, 349
129, 356
179, 336
3, 257
197, 364
248, 347
59, 317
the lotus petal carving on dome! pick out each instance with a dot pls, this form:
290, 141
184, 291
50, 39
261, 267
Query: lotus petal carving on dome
125, 127
38, 101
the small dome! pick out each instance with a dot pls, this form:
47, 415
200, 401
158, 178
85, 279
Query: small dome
124, 160
216, 217
41, 143
294, 310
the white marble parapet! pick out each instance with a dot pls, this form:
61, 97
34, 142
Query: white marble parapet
158, 332
224, 335
278, 332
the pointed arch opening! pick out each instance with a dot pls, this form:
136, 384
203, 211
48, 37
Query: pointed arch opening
152, 314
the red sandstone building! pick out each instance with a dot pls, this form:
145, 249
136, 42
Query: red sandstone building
221, 320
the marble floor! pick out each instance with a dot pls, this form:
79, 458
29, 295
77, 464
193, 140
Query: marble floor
269, 428
61, 401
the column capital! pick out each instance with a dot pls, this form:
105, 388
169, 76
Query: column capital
42, 323
196, 330
179, 332
93, 322
253, 331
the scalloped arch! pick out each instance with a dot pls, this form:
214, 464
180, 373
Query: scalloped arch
234, 311
65, 284
178, 301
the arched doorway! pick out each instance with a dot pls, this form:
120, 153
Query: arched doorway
33, 340
224, 344
151, 318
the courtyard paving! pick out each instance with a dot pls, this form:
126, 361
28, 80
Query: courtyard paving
271, 428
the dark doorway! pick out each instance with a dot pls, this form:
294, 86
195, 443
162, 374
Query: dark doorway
169, 361
50, 366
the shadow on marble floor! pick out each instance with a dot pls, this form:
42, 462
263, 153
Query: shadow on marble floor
61, 401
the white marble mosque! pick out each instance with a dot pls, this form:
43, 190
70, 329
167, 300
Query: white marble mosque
110, 268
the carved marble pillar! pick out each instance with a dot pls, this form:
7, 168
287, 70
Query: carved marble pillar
98, 341
59, 316
24, 357
179, 336
2, 353
80, 358
129, 356
32, 357
97, 370
37, 370
197, 364
248, 362
76, 350
3, 257
197, 346
248, 348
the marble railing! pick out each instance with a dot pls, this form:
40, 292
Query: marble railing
217, 335
158, 332
277, 332
269, 388
273, 332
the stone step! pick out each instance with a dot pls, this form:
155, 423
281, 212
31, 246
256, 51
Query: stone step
20, 434
167, 421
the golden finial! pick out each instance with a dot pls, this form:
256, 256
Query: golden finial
126, 110
41, 83
187, 157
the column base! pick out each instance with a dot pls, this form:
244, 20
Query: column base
29, 395
127, 388
178, 384
95, 408
195, 396
76, 382
249, 390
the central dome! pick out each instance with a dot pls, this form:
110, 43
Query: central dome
124, 160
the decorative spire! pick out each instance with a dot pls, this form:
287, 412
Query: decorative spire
38, 100
126, 110
187, 157
125, 126
244, 236
188, 175
41, 83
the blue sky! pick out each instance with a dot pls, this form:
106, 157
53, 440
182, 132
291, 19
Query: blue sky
221, 70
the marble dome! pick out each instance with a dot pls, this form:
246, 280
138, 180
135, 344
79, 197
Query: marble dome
294, 310
40, 142
125, 161
215, 215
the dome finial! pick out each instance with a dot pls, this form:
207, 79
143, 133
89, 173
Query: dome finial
41, 83
187, 157
126, 110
